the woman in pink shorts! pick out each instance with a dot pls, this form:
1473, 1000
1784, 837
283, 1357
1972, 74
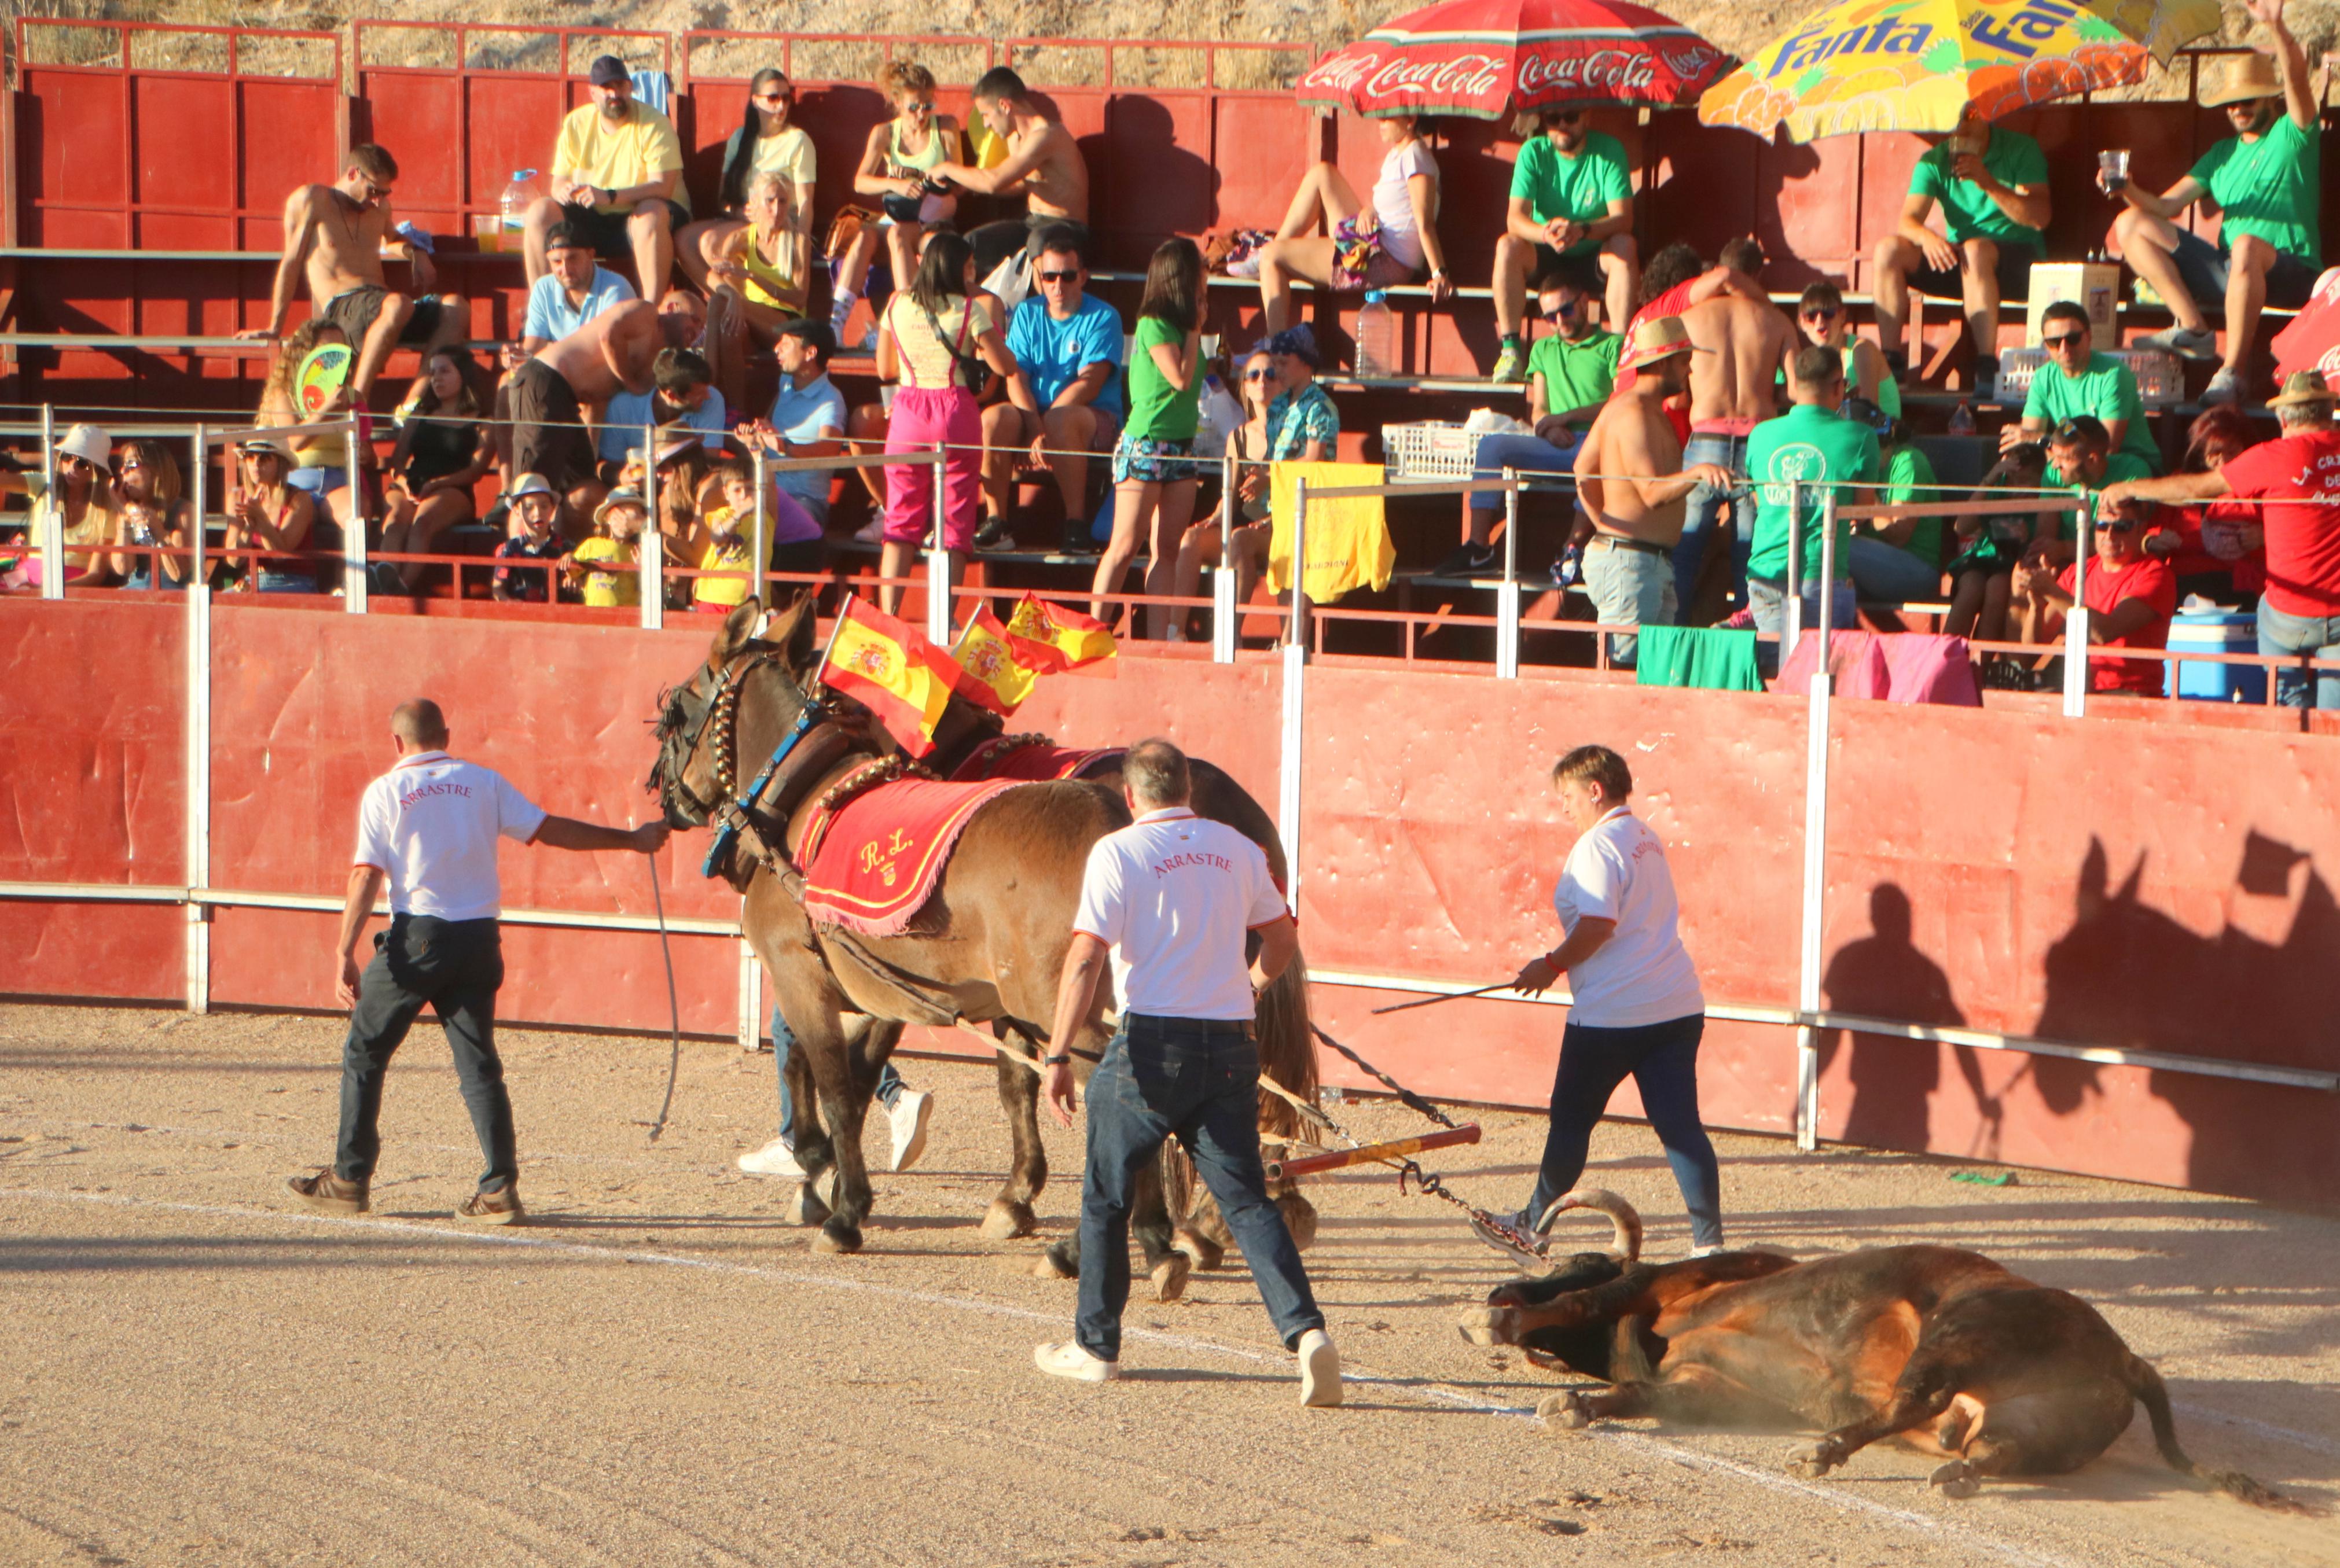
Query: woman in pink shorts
936, 338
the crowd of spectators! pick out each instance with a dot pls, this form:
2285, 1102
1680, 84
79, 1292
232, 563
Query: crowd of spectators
990, 345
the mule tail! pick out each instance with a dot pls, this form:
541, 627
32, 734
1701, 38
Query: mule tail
1287, 1048
2146, 1384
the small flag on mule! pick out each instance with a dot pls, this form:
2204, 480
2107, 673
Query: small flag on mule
892, 670
1049, 637
995, 676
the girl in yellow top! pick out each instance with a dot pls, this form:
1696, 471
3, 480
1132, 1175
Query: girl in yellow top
767, 141
894, 166
757, 284
83, 500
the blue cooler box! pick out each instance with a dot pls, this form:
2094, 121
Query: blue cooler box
2216, 632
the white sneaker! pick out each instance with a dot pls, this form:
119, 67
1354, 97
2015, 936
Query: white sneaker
872, 532
775, 1159
909, 1118
1069, 1359
1709, 1251
1320, 1370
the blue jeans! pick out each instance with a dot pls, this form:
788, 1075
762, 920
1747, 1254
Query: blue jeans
2286, 633
889, 1082
1661, 1058
1529, 454
1199, 1080
1888, 573
1769, 600
1700, 514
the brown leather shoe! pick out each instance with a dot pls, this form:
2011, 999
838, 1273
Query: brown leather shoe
329, 1192
493, 1208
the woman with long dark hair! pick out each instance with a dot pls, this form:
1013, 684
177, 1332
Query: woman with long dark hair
442, 451
938, 336
154, 511
1154, 471
266, 515
767, 141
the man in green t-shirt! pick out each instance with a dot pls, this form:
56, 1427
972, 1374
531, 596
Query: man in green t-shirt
1571, 372
2077, 380
2265, 180
1571, 209
1794, 462
1992, 187
2081, 459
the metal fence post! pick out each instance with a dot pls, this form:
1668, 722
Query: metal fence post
1292, 732
752, 996
1225, 613
1827, 571
199, 741
652, 562
938, 572
52, 542
2076, 623
1814, 889
759, 546
353, 539
1791, 609
1507, 597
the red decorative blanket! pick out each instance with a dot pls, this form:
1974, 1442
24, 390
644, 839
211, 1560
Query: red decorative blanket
871, 863
1030, 760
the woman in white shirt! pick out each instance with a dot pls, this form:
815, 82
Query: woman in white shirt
1635, 1009
765, 142
1391, 239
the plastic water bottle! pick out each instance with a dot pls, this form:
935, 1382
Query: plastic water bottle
518, 195
1962, 421
1376, 336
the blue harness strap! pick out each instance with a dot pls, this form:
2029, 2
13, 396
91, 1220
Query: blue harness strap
737, 812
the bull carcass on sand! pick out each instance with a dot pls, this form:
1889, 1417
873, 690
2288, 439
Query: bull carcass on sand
1938, 1347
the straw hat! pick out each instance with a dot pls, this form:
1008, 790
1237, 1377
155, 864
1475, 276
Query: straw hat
1662, 338
2303, 387
268, 446
530, 485
620, 498
2242, 78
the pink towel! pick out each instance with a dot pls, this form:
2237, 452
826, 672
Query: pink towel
1901, 667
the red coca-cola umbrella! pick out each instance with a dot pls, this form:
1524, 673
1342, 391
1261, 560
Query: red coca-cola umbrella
1492, 58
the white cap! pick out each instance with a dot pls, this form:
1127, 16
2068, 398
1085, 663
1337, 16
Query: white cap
86, 441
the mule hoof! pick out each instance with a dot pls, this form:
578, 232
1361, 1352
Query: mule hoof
1205, 1252
805, 1207
836, 1236
1565, 1410
1170, 1277
1813, 1463
1005, 1221
1052, 1267
1486, 1325
1954, 1479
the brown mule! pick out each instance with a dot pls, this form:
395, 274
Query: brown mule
987, 948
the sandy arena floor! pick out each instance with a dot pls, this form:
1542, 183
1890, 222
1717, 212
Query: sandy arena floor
659, 1371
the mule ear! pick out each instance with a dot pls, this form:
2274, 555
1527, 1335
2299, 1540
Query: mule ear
739, 628
794, 630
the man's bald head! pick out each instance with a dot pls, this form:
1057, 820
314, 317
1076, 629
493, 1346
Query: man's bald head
418, 725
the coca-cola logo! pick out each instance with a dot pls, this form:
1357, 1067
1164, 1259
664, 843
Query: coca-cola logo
1601, 70
1458, 76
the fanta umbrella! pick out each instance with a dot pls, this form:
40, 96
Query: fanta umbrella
1492, 58
1916, 64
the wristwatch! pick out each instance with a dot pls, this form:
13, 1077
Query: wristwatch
1056, 1060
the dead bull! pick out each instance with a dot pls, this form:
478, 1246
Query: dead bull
1940, 1347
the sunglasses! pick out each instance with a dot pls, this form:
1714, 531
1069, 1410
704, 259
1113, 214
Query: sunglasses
773, 100
1059, 277
1565, 307
1259, 375
2064, 341
1567, 116
2116, 525
1823, 314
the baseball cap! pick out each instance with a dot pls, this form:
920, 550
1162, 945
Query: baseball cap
608, 71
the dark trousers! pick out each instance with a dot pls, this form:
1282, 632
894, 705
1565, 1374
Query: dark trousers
1200, 1079
1661, 1058
455, 966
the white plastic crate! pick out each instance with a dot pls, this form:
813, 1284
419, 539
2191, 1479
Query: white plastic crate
2159, 379
1428, 452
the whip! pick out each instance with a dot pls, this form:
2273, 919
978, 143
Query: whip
673, 1007
1434, 1001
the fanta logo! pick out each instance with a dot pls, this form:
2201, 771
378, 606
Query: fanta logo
1887, 37
2022, 33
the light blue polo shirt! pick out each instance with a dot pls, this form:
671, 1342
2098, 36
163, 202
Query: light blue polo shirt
801, 414
630, 411
550, 314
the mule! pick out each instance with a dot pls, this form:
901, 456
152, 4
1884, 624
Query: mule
986, 949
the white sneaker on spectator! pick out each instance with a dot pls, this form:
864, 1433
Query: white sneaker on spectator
775, 1159
2225, 387
1320, 1370
908, 1120
1068, 1359
872, 532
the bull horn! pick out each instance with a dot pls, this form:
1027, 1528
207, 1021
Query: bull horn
1626, 1245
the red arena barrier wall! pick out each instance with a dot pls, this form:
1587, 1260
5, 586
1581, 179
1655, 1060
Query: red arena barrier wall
2088, 883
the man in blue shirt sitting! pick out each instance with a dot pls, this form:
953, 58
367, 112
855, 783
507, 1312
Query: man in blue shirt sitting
808, 417
1071, 347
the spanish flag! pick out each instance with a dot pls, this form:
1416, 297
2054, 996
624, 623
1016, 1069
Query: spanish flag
995, 676
1049, 637
892, 670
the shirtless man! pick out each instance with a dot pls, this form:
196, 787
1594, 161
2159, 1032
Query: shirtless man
1043, 165
336, 233
551, 392
1733, 388
1631, 482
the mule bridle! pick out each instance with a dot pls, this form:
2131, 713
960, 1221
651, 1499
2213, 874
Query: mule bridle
717, 727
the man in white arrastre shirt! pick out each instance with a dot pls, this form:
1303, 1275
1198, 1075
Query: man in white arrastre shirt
1174, 900
429, 828
1635, 1009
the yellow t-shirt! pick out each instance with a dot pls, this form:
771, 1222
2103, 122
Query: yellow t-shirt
790, 152
610, 589
616, 156
725, 552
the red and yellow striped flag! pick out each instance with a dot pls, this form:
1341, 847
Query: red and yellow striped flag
1049, 637
891, 669
996, 675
